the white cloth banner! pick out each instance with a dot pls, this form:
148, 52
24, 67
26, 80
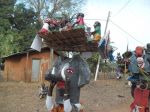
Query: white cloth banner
37, 43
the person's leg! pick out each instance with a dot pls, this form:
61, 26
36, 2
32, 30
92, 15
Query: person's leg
133, 86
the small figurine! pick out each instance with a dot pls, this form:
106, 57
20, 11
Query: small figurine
97, 32
45, 28
80, 21
88, 34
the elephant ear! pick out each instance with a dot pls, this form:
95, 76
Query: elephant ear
84, 73
81, 69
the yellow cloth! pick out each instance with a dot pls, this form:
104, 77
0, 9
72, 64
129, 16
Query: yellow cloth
97, 37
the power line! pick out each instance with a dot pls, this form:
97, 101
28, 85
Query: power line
124, 6
96, 19
126, 32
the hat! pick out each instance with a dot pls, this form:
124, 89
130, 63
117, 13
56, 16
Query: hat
97, 23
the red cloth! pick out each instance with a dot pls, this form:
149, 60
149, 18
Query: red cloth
43, 31
61, 84
140, 99
80, 21
139, 51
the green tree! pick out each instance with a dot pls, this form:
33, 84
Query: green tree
54, 8
6, 9
93, 62
17, 27
20, 22
24, 22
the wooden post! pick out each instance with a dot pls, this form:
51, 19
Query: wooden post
125, 68
97, 68
26, 70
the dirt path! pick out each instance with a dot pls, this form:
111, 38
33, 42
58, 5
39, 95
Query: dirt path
99, 96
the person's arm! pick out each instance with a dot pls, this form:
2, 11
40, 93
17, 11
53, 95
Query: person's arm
49, 98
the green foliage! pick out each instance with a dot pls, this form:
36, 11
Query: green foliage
17, 27
6, 8
93, 62
104, 66
20, 22
55, 8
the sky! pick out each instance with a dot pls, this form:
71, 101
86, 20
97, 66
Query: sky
129, 21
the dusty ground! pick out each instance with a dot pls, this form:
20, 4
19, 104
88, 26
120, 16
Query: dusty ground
101, 96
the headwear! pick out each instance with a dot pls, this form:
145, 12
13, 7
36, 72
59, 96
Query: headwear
148, 48
97, 23
80, 14
148, 45
139, 51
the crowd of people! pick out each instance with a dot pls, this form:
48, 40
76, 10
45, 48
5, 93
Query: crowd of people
138, 65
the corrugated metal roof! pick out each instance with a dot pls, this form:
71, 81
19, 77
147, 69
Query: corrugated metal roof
19, 53
72, 40
27, 51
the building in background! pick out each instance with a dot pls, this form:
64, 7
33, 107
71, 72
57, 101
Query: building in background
28, 66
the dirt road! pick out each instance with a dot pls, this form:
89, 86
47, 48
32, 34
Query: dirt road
100, 96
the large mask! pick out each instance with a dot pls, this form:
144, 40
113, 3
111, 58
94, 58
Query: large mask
79, 75
76, 68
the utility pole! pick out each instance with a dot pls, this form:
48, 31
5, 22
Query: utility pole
97, 68
107, 23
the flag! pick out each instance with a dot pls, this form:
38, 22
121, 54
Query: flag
37, 43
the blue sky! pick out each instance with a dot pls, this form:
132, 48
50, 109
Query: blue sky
129, 22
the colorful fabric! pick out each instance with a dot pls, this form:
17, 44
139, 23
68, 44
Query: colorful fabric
97, 33
59, 108
139, 51
97, 37
140, 100
98, 30
80, 21
45, 29
61, 84
80, 26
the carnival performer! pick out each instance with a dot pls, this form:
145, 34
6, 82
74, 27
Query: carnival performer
139, 79
134, 68
68, 85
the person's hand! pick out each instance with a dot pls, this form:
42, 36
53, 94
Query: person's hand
51, 87
52, 84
